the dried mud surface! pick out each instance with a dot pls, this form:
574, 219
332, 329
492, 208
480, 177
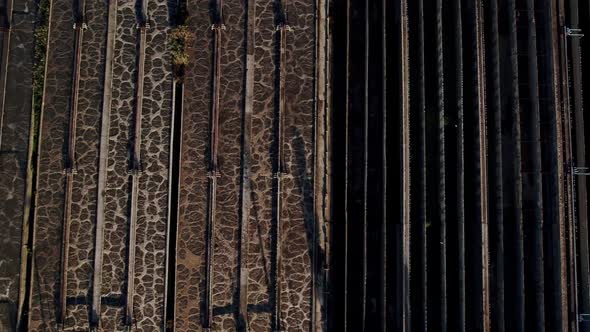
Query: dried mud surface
152, 208
226, 272
83, 208
50, 183
153, 182
53, 137
192, 208
297, 211
298, 190
117, 195
16, 117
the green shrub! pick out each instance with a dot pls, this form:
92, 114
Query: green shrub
39, 65
179, 39
40, 50
39, 56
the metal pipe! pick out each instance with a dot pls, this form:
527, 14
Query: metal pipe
569, 181
70, 158
556, 21
246, 154
327, 213
496, 181
320, 228
516, 310
136, 169
483, 164
347, 161
65, 249
280, 170
538, 279
458, 49
423, 168
580, 153
129, 304
532, 206
419, 201
142, 29
217, 27
478, 303
582, 213
384, 257
79, 27
441, 168
406, 181
365, 163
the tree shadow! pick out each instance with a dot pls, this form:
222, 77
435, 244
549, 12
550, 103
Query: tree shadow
8, 311
305, 185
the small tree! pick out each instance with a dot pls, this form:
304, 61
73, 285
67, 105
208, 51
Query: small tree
180, 37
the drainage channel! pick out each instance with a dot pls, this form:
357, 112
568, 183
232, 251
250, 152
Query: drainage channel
174, 180
174, 193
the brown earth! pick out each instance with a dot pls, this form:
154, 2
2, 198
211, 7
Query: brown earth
149, 289
14, 144
153, 184
297, 211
